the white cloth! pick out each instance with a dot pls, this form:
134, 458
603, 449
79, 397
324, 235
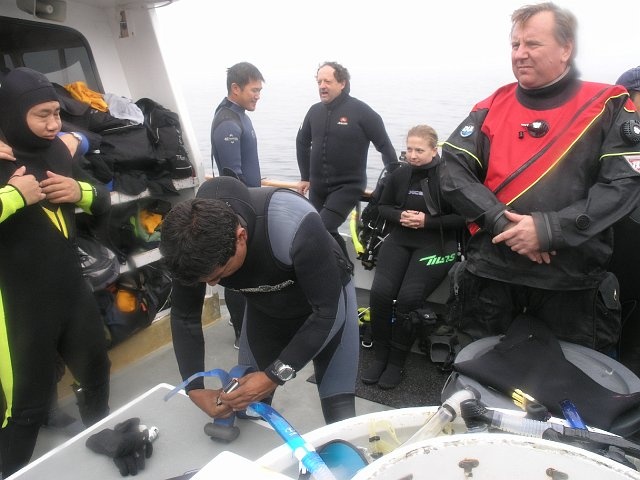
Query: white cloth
125, 108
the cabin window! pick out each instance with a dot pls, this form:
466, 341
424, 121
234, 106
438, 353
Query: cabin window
61, 53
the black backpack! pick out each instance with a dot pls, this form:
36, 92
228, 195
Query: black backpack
100, 266
165, 132
133, 302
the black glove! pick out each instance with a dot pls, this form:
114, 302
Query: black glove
126, 444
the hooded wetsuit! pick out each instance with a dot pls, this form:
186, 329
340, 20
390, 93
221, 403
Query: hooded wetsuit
301, 303
46, 306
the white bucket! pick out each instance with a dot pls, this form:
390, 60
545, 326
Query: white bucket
493, 456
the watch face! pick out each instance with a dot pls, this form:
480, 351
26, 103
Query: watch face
285, 372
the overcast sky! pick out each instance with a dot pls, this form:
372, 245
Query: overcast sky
403, 35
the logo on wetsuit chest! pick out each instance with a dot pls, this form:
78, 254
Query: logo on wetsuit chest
343, 121
231, 138
633, 161
466, 131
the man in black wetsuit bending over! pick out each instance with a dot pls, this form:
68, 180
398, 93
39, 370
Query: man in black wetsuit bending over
270, 244
340, 128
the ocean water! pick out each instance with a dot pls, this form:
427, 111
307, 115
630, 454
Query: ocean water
406, 60
402, 99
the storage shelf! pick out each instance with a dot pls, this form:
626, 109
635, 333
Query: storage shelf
141, 259
179, 184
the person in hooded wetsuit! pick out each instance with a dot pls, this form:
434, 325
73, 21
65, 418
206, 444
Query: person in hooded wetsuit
48, 308
270, 244
414, 258
6, 152
332, 147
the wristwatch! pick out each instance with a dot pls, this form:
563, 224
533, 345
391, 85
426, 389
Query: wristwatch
280, 372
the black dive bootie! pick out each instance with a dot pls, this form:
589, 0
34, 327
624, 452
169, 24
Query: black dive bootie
391, 377
402, 335
372, 373
338, 407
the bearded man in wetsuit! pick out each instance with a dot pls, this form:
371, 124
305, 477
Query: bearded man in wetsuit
270, 245
541, 170
332, 147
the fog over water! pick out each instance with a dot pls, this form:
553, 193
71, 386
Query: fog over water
413, 62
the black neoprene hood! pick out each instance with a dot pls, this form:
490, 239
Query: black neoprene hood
21, 89
234, 193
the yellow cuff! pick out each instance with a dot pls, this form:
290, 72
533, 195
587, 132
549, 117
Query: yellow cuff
87, 194
11, 201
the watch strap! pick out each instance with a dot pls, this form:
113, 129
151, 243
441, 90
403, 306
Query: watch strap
272, 372
281, 371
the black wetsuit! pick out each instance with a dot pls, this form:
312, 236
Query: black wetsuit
575, 179
48, 308
332, 147
412, 262
301, 303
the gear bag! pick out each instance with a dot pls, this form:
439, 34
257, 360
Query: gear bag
132, 227
133, 302
372, 229
100, 266
165, 133
529, 357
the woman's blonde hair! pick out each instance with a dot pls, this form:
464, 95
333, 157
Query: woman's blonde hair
426, 132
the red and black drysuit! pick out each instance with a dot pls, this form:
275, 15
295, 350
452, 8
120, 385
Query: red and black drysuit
575, 180
47, 307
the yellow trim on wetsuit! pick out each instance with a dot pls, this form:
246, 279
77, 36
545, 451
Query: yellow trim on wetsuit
11, 200
87, 194
6, 368
353, 227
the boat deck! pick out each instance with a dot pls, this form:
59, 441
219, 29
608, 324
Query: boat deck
137, 390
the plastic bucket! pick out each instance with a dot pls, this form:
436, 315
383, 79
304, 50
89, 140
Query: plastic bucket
494, 456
